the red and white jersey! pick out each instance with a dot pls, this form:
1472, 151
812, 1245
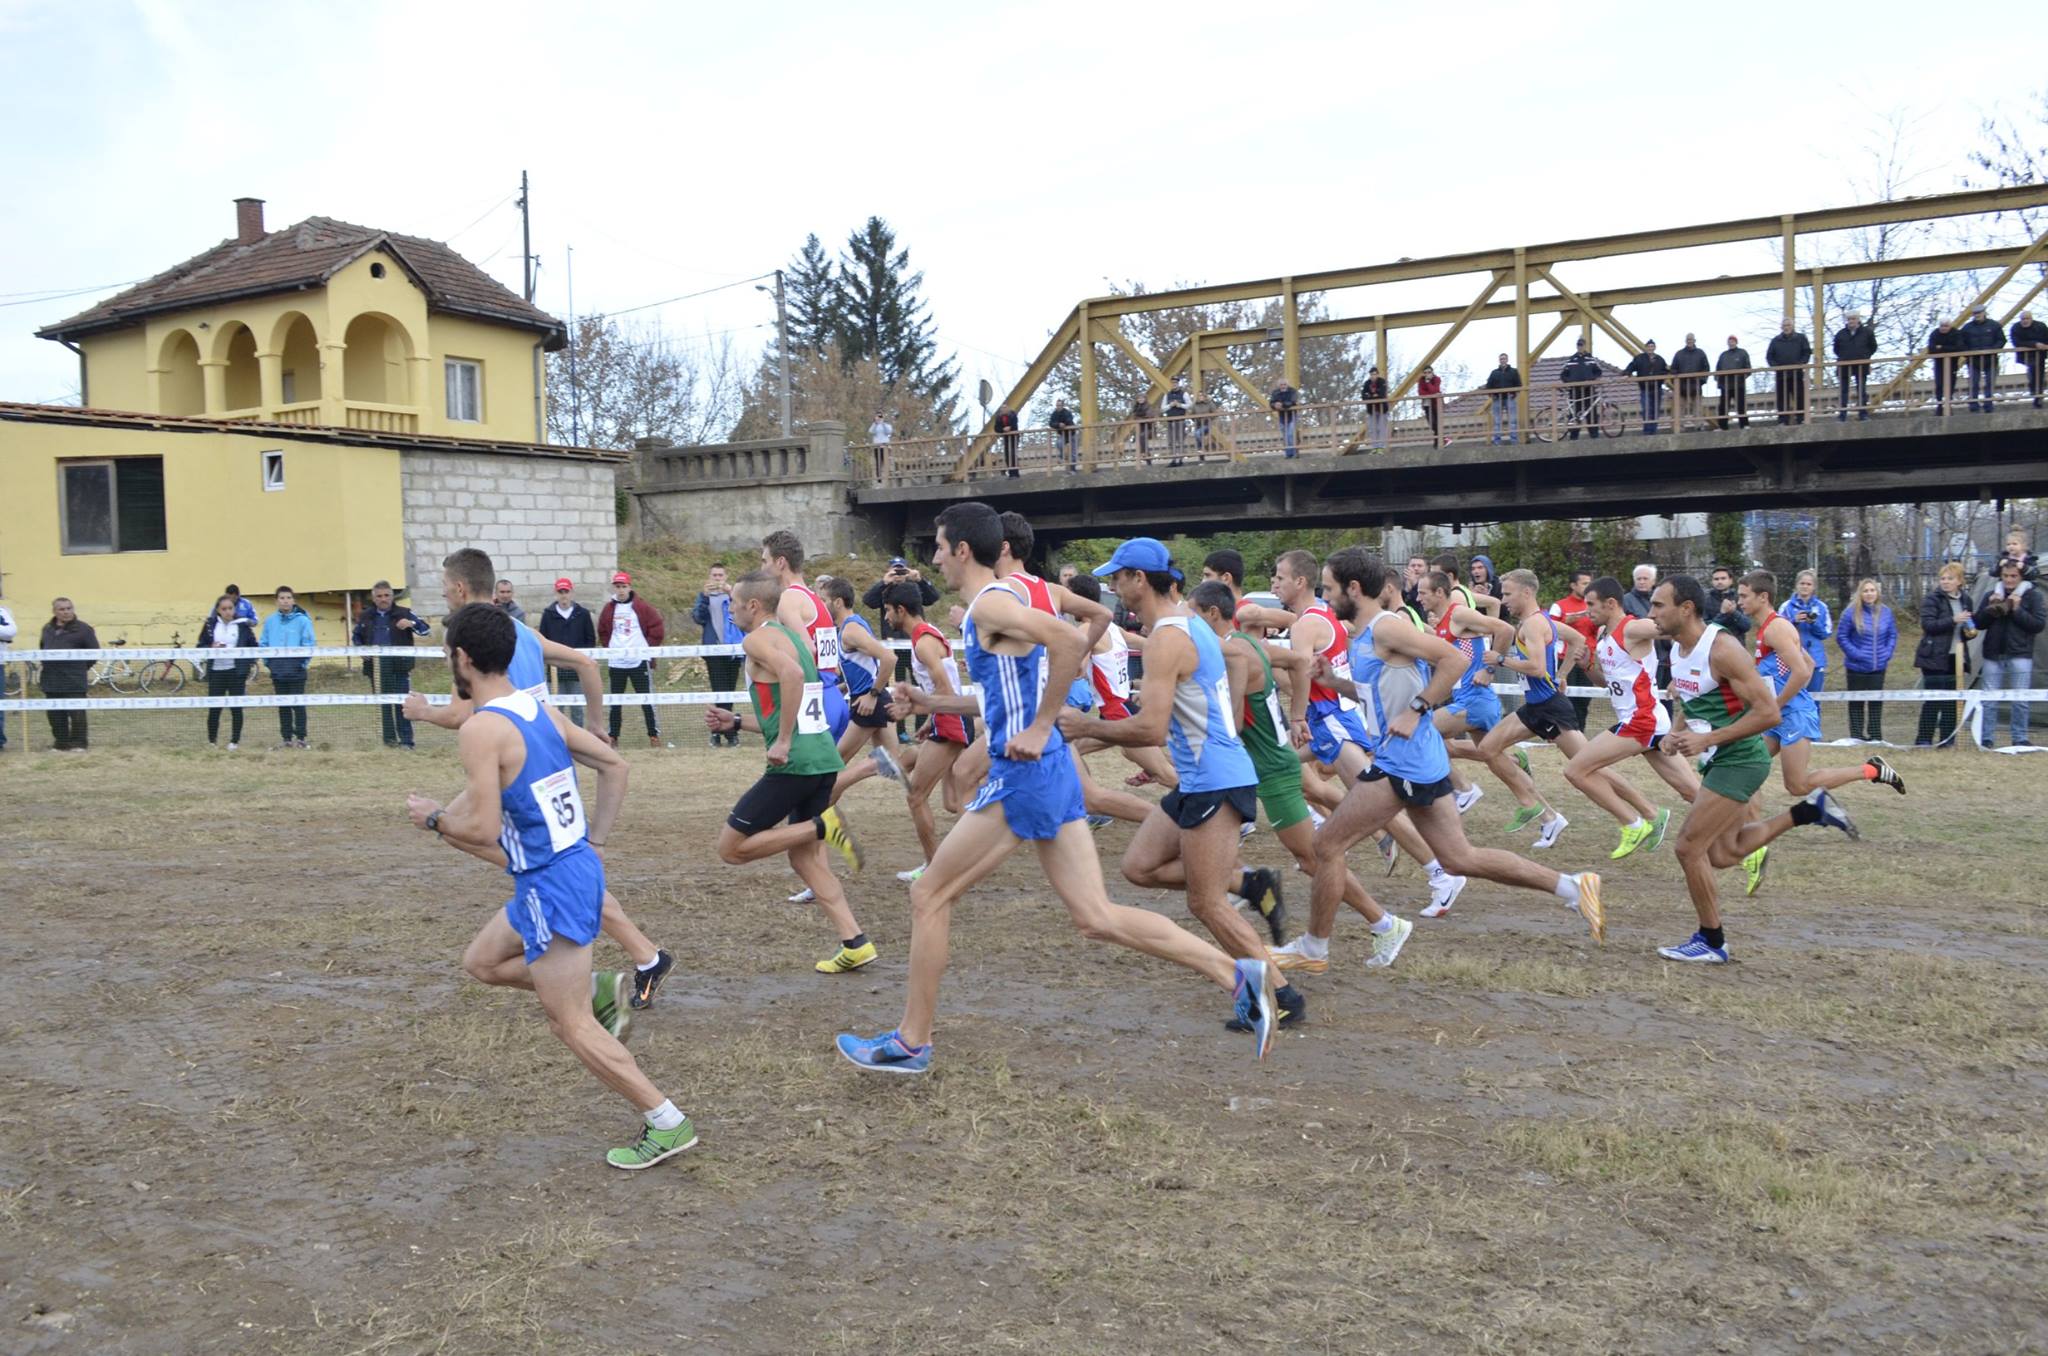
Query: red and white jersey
1037, 593
950, 728
1338, 652
1110, 672
1637, 712
824, 635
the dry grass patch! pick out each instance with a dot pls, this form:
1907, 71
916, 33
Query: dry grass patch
1524, 974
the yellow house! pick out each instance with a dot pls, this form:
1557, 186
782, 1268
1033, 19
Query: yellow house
321, 323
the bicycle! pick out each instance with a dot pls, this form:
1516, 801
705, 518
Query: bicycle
123, 676
165, 674
1602, 414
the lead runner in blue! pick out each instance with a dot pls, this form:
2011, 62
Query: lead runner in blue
1023, 662
521, 808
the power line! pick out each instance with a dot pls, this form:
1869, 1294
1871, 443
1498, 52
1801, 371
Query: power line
691, 296
37, 300
486, 212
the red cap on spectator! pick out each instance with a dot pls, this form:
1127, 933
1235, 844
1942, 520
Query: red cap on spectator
563, 584
622, 578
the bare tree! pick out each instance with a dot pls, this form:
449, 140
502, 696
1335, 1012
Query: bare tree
825, 386
2015, 151
633, 383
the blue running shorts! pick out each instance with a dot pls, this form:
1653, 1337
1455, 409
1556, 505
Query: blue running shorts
1330, 728
564, 899
1038, 798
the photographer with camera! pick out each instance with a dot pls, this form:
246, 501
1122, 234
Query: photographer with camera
1810, 617
899, 572
2011, 614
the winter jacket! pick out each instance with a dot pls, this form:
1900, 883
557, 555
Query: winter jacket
1690, 361
1857, 345
1938, 633
1867, 638
2032, 335
514, 611
286, 631
1062, 418
1736, 622
1789, 350
1735, 360
1491, 588
1374, 394
1283, 399
652, 628
6, 627
66, 677
2011, 626
381, 628
927, 594
715, 620
1503, 378
1430, 386
1647, 365
1579, 370
1813, 634
1175, 403
1981, 336
1006, 420
577, 630
245, 638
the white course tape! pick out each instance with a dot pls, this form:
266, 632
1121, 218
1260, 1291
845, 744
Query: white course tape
428, 652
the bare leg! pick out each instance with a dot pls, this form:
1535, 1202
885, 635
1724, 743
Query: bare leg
1445, 833
936, 761
1164, 856
620, 929
1588, 766
738, 849
1300, 840
561, 978
1366, 809
1403, 829
809, 861
1113, 801
1677, 773
1733, 847
1604, 789
969, 771
1803, 779
976, 846
497, 956
1154, 760
1712, 819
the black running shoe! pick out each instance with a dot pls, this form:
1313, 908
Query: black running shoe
1293, 1010
1271, 906
1885, 774
645, 982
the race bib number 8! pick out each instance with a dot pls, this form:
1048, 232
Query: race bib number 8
810, 712
561, 808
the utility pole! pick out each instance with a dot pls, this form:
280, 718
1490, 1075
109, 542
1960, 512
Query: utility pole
526, 234
782, 342
575, 391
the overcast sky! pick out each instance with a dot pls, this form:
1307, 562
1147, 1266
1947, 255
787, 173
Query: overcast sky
1027, 154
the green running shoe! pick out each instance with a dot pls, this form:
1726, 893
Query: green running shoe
1753, 868
1524, 817
653, 1146
1657, 828
605, 1006
1632, 837
1522, 759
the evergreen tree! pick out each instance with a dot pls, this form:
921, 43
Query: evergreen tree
812, 296
882, 317
1728, 541
1617, 547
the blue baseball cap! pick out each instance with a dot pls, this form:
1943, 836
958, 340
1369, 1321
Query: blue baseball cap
1140, 553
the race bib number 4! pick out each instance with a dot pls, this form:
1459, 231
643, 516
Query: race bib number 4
810, 712
561, 808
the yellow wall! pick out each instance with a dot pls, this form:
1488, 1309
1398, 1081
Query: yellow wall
125, 369
335, 526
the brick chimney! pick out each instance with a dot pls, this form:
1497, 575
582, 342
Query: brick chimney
248, 220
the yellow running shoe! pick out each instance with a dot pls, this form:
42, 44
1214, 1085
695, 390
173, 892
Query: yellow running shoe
1590, 907
1292, 957
838, 835
848, 959
1753, 868
1633, 836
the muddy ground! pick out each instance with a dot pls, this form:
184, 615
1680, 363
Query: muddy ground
251, 1103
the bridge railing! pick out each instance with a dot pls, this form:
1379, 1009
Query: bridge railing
1616, 404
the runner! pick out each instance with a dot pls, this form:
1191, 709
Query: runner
1105, 687
469, 576
1189, 842
1255, 695
520, 808
1640, 720
867, 705
1542, 649
803, 611
1728, 705
1023, 660
946, 736
1401, 676
788, 810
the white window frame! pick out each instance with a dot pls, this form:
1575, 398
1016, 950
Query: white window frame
273, 471
461, 411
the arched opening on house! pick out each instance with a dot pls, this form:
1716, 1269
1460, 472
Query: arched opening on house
375, 368
301, 362
182, 389
244, 380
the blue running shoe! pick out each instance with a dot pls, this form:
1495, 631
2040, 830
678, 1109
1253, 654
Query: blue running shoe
885, 1053
1832, 815
1696, 951
1254, 1002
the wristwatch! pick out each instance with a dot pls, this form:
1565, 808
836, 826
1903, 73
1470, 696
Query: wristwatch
433, 824
1421, 706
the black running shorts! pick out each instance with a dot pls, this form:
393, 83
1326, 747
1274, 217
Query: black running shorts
1407, 792
1193, 809
880, 718
1550, 717
782, 798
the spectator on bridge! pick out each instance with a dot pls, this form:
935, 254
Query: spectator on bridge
1731, 379
1855, 346
632, 624
569, 623
879, 434
1983, 339
1649, 370
66, 678
1066, 446
244, 609
226, 677
1430, 387
502, 598
1141, 416
1006, 429
1581, 377
288, 628
1175, 408
1689, 365
386, 621
1867, 638
1943, 346
1571, 610
1809, 616
1946, 655
1374, 393
1204, 410
1788, 356
1281, 402
2030, 337
2012, 613
6, 639
1506, 384
1722, 606
713, 614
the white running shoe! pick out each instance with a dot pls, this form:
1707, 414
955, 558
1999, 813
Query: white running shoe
1442, 895
1316, 817
909, 877
885, 763
1553, 829
1467, 799
803, 896
1387, 945
1246, 830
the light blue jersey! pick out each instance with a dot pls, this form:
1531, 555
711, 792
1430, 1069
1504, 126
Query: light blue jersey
860, 669
1201, 737
1385, 689
528, 672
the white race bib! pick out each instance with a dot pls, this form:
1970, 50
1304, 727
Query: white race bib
1341, 667
828, 647
1273, 711
810, 712
1223, 705
561, 808
1702, 727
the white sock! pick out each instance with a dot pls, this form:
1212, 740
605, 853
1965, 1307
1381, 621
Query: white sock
1237, 901
665, 1116
651, 964
1436, 872
1568, 890
1312, 946
1639, 823
1384, 926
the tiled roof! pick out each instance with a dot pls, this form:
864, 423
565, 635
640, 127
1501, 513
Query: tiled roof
307, 255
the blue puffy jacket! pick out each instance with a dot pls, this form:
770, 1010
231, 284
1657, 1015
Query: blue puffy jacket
1813, 634
1867, 638
287, 631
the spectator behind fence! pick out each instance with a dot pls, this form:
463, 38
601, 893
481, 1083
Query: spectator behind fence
244, 609
1788, 356
1203, 412
1374, 393
226, 676
1983, 338
900, 571
879, 434
632, 624
62, 678
1867, 636
6, 639
508, 604
1581, 378
2012, 614
1006, 427
1942, 347
1573, 611
1946, 655
2030, 337
288, 628
386, 621
1281, 401
1141, 418
1636, 602
569, 623
1175, 408
1412, 578
1430, 387
1723, 607
1731, 380
1646, 367
1689, 365
1855, 346
1065, 445
1506, 384
713, 614
1809, 615
1480, 577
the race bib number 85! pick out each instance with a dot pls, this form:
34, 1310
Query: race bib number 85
561, 808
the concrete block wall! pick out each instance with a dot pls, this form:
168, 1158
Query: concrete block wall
539, 517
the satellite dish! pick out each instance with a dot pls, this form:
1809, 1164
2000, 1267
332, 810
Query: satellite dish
988, 393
